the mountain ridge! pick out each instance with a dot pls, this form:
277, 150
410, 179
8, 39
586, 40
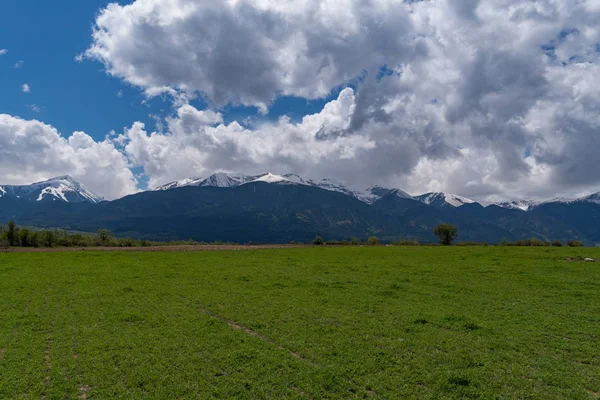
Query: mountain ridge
61, 188
281, 208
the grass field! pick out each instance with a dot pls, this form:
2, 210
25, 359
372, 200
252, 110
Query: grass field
383, 322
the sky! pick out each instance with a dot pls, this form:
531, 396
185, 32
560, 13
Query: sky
489, 99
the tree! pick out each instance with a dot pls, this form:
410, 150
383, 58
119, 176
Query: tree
446, 233
105, 236
48, 238
318, 241
373, 241
25, 237
12, 234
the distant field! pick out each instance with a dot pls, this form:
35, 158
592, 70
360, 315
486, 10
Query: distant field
381, 322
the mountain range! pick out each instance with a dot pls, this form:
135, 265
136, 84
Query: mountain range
281, 208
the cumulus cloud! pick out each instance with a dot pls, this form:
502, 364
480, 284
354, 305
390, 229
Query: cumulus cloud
3, 52
198, 142
249, 51
484, 98
31, 151
25, 88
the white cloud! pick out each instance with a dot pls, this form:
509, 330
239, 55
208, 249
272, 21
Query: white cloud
198, 142
249, 51
3, 52
481, 97
34, 108
19, 64
33, 151
25, 88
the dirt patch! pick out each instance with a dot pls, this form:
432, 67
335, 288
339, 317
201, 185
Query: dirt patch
301, 392
83, 392
155, 248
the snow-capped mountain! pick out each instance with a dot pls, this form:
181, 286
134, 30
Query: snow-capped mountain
62, 188
369, 195
528, 205
593, 198
443, 200
523, 205
221, 179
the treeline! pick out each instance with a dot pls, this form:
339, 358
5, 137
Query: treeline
539, 243
12, 235
409, 242
354, 241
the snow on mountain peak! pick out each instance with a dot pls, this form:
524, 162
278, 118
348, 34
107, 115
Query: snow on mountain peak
63, 188
181, 183
222, 179
523, 205
444, 199
593, 198
271, 178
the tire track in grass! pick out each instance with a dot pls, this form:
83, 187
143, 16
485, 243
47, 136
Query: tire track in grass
82, 389
258, 335
251, 332
47, 361
265, 339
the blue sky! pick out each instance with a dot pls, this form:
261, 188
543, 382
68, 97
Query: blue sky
71, 96
398, 94
78, 96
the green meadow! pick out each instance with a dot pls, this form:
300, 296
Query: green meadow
313, 323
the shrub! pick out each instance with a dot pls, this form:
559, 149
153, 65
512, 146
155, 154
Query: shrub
35, 239
24, 237
537, 243
373, 241
48, 238
317, 241
354, 241
336, 242
574, 243
12, 234
105, 237
557, 243
446, 233
407, 242
126, 242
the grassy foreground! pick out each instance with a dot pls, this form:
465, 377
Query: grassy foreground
422, 322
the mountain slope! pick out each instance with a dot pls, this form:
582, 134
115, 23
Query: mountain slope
223, 180
282, 208
443, 200
62, 188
